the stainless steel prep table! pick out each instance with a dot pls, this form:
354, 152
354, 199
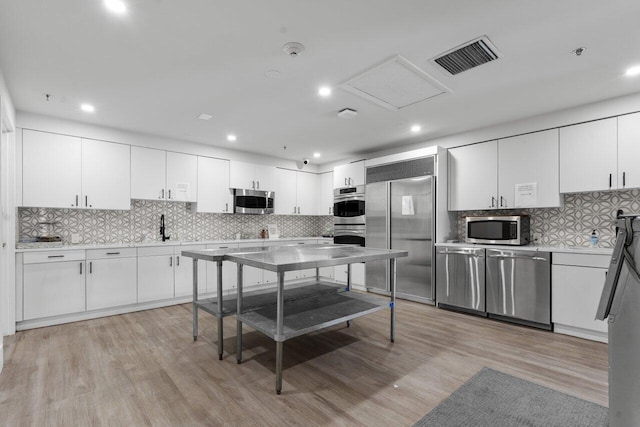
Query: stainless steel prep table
311, 306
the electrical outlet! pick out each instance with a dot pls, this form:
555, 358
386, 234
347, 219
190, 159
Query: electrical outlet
75, 238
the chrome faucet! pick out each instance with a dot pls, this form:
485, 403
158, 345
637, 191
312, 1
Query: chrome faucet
164, 237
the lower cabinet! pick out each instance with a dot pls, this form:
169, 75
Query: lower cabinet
357, 274
577, 283
53, 284
111, 278
183, 271
155, 273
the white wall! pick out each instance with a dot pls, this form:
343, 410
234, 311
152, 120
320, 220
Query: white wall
7, 220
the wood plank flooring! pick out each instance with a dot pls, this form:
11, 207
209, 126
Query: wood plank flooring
145, 369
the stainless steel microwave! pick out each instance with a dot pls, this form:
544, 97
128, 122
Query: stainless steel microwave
499, 230
253, 201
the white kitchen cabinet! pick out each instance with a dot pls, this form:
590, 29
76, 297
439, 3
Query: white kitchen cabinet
155, 273
325, 206
53, 283
148, 173
111, 277
162, 175
51, 170
296, 193
214, 194
106, 175
229, 272
183, 271
349, 175
629, 151
529, 159
182, 177
473, 177
588, 156
577, 283
357, 274
249, 176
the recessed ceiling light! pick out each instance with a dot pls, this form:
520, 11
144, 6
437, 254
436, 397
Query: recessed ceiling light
231, 137
316, 155
324, 91
633, 71
204, 116
115, 6
416, 128
87, 108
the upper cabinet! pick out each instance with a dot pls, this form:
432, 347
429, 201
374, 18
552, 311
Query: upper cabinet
214, 194
249, 176
629, 151
528, 171
296, 193
589, 156
515, 172
162, 175
69, 172
473, 177
349, 175
325, 206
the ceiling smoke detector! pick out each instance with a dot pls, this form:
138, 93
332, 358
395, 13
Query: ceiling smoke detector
347, 113
293, 49
578, 51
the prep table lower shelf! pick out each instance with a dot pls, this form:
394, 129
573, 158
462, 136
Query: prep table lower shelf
312, 313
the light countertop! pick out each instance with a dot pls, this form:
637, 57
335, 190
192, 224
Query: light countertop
536, 248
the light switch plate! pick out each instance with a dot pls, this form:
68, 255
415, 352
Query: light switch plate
75, 238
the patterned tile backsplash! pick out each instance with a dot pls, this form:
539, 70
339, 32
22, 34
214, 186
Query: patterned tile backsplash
572, 224
142, 223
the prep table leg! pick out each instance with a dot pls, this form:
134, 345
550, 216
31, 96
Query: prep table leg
392, 286
195, 299
220, 321
348, 286
238, 322
279, 329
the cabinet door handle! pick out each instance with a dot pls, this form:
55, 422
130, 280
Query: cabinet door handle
226, 207
501, 205
86, 201
493, 201
113, 253
55, 256
345, 182
610, 179
253, 185
258, 184
80, 268
90, 267
624, 180
178, 260
162, 197
170, 261
329, 210
76, 200
169, 195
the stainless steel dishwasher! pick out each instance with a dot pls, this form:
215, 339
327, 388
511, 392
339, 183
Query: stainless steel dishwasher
460, 279
519, 286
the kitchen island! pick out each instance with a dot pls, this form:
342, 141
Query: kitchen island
284, 314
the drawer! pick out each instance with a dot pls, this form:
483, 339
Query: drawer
111, 253
155, 250
53, 256
222, 246
179, 249
582, 260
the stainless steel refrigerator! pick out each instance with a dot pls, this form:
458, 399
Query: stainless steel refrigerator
620, 304
400, 216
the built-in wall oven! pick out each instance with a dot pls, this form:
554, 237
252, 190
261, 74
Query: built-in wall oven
349, 220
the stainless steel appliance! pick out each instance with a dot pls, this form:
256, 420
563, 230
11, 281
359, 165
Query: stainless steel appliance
253, 201
349, 205
619, 304
400, 201
349, 217
460, 279
500, 230
519, 286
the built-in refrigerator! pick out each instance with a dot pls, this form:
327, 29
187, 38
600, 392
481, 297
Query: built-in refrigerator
620, 304
400, 216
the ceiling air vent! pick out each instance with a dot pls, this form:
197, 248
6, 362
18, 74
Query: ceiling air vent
469, 55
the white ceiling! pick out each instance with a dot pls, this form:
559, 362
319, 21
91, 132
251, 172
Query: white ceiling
155, 69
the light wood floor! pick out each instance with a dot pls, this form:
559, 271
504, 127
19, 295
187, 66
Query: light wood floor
145, 369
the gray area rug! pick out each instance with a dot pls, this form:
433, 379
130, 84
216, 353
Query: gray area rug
495, 399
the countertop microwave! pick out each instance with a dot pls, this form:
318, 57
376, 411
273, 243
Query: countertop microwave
498, 230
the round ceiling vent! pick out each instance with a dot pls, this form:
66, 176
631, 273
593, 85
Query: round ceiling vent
293, 48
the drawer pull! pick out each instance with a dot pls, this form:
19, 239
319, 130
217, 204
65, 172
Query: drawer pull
113, 253
56, 256
223, 247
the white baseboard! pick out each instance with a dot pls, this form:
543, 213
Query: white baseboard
581, 333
